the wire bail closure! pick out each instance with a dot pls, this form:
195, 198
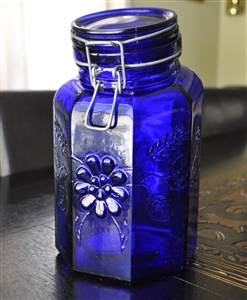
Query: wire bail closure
118, 89
95, 70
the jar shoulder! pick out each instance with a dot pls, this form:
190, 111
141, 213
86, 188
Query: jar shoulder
67, 94
190, 82
185, 80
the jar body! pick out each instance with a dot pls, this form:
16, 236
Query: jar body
127, 197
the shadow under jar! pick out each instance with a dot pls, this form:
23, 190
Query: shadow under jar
127, 147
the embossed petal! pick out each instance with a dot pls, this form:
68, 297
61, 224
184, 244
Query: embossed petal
100, 209
95, 181
81, 187
108, 165
100, 194
93, 163
93, 189
113, 206
84, 174
103, 179
118, 177
120, 193
88, 201
107, 188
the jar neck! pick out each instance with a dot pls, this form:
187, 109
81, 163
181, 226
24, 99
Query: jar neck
131, 59
150, 78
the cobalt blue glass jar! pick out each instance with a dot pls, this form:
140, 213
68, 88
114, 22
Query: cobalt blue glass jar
127, 147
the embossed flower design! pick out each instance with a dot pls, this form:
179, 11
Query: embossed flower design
101, 186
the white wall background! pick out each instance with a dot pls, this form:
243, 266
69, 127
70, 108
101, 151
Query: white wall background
36, 49
214, 43
232, 49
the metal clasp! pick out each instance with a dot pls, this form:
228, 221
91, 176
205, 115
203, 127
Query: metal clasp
93, 68
94, 71
118, 89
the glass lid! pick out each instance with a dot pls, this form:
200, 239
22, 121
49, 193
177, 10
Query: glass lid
124, 20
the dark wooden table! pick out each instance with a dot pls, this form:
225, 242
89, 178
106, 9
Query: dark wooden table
31, 268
